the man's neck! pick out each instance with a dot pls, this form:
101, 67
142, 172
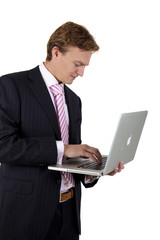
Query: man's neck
50, 67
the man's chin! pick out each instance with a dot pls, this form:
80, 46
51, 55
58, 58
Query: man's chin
70, 81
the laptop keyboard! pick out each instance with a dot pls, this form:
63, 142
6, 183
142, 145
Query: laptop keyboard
94, 165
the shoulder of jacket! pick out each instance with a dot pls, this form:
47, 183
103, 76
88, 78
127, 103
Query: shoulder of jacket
16, 75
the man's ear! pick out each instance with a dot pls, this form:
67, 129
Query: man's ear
55, 53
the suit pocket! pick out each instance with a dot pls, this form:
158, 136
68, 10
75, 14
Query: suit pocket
16, 186
16, 200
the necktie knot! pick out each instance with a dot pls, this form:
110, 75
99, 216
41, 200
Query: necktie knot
57, 89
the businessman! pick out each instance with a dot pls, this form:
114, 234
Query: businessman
40, 125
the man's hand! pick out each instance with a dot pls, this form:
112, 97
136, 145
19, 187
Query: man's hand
82, 150
85, 151
116, 170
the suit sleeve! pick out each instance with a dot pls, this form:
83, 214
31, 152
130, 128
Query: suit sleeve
15, 149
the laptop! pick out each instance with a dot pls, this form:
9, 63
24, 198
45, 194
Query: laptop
123, 148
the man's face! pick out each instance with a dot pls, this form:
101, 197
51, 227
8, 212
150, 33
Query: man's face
70, 65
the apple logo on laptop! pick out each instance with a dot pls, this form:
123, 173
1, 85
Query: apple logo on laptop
129, 140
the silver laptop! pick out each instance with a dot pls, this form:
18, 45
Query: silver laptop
123, 148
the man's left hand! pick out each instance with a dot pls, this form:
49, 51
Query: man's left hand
116, 170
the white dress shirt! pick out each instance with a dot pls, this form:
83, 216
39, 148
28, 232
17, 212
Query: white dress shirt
50, 80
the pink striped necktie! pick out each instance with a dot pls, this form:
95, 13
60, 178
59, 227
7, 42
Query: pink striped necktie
58, 93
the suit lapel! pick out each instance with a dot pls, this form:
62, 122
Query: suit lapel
71, 111
40, 91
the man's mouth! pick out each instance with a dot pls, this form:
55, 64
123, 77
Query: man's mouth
73, 77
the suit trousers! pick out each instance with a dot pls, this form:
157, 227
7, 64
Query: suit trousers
64, 225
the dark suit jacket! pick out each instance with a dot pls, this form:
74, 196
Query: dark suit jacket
29, 192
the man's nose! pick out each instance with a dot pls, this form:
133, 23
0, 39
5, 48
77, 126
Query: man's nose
80, 71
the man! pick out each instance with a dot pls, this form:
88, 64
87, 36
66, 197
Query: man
36, 131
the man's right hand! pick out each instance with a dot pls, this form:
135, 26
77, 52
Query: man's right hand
84, 151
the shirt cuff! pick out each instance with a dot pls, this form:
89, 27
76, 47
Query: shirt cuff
90, 179
60, 151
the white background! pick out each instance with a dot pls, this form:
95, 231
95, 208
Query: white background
122, 77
